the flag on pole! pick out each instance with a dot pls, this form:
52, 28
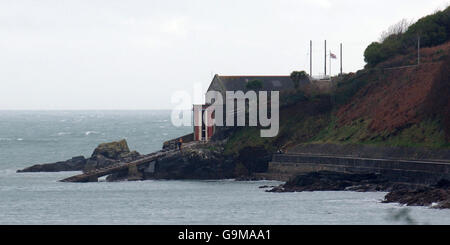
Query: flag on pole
333, 56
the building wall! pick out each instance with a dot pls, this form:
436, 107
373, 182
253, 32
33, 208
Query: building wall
199, 111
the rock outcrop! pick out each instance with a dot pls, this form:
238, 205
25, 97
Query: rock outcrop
107, 154
112, 150
203, 161
437, 196
197, 163
104, 155
334, 181
73, 164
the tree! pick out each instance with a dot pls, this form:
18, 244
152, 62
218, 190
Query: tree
396, 30
372, 54
298, 76
402, 37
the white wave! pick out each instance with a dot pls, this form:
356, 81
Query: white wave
63, 133
19, 139
91, 132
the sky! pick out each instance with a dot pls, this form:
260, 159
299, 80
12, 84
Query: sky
133, 55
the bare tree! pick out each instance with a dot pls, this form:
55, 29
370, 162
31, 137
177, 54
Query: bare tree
397, 29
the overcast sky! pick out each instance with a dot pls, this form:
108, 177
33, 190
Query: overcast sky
134, 54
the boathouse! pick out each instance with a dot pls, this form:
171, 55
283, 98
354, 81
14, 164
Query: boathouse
204, 131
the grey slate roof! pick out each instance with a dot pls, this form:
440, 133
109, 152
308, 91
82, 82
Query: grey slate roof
235, 83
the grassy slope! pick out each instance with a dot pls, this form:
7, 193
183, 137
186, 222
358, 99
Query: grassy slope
301, 118
428, 133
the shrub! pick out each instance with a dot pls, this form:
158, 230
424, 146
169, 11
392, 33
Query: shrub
297, 76
432, 29
372, 54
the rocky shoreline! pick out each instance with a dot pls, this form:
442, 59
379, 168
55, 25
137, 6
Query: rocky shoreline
436, 196
207, 161
104, 155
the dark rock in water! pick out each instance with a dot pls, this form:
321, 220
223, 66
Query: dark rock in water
74, 164
248, 178
112, 150
98, 161
266, 186
439, 195
104, 155
333, 181
108, 154
411, 194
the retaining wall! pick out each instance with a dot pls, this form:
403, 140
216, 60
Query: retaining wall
286, 166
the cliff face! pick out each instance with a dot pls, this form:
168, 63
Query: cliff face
405, 102
437, 103
381, 106
198, 163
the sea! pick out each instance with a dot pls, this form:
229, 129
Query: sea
31, 137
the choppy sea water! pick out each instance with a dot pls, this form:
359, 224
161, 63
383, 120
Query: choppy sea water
27, 138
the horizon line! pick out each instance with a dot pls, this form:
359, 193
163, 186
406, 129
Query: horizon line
167, 109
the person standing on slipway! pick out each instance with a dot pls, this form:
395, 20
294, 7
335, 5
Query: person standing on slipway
180, 142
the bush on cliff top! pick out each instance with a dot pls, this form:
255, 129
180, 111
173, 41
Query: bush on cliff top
297, 76
433, 30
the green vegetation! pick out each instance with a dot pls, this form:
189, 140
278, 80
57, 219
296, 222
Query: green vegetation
427, 133
401, 38
308, 116
301, 118
312, 119
348, 85
297, 76
292, 98
291, 132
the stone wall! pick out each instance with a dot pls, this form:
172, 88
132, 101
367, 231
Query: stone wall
372, 151
285, 166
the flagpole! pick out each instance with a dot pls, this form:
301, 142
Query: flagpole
310, 58
341, 58
330, 63
325, 59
